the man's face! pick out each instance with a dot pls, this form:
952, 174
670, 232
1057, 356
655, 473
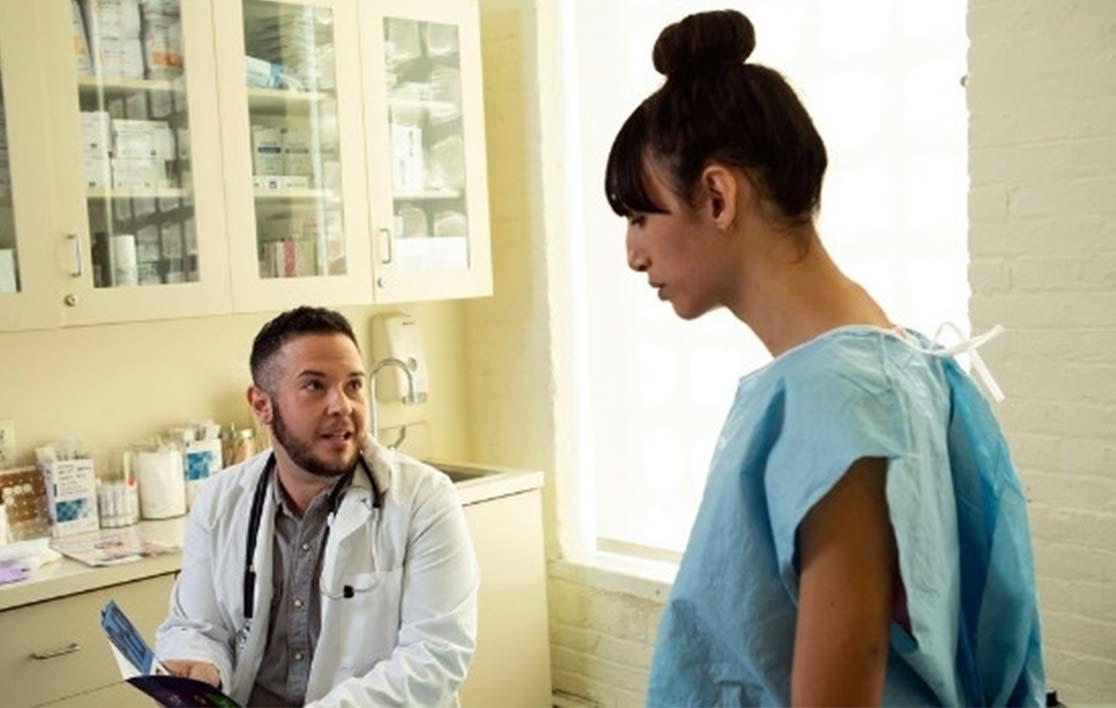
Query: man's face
319, 405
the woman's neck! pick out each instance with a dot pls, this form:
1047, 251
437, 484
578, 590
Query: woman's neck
793, 293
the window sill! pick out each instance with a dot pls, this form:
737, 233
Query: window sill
622, 574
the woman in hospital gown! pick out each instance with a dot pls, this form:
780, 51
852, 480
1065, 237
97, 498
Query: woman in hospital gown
863, 536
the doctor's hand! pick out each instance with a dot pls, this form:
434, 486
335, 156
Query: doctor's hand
197, 670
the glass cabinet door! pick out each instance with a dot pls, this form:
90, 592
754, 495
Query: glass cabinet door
142, 75
28, 297
429, 182
294, 152
9, 248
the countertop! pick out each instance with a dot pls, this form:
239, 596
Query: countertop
476, 483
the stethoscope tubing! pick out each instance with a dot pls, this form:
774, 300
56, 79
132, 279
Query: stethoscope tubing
256, 515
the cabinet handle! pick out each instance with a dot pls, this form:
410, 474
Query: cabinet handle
76, 240
69, 649
390, 246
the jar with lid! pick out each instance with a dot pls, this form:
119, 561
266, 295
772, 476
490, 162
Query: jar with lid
243, 446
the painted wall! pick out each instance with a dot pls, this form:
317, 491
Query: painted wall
112, 386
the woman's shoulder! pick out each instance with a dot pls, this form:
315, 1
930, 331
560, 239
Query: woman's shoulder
855, 355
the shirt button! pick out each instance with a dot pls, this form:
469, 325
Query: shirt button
297, 602
298, 656
306, 546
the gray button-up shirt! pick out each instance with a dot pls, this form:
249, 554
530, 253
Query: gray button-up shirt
295, 618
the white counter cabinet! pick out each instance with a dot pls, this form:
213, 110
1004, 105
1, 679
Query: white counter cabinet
53, 651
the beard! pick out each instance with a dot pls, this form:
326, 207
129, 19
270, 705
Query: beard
301, 452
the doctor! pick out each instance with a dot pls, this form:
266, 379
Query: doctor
329, 570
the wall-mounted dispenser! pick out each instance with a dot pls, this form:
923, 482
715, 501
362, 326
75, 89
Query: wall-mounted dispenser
396, 335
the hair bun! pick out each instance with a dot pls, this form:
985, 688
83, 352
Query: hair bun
704, 41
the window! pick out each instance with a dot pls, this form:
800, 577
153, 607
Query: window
882, 82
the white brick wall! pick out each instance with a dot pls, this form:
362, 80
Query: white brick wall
1042, 208
602, 631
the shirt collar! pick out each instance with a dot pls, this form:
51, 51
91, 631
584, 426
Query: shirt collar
282, 504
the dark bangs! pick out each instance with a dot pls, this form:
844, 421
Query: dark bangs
624, 182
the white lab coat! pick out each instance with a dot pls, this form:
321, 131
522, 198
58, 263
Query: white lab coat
405, 638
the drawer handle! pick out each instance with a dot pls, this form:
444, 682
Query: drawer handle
70, 649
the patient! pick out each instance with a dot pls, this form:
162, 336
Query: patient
863, 536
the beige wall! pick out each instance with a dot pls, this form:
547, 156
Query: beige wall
517, 343
1042, 207
113, 385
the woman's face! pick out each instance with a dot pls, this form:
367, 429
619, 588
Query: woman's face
683, 253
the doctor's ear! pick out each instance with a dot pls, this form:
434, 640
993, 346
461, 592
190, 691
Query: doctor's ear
722, 187
260, 402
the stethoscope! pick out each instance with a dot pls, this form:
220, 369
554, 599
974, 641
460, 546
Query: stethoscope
256, 515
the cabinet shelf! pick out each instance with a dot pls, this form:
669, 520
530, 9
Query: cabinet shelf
427, 194
427, 104
277, 195
159, 193
113, 87
282, 99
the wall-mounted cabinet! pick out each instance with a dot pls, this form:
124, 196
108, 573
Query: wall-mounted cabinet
172, 158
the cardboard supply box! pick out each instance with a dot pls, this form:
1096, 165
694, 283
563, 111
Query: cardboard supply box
170, 234
133, 138
408, 170
112, 18
96, 133
297, 153
97, 170
162, 46
119, 58
139, 173
71, 487
267, 151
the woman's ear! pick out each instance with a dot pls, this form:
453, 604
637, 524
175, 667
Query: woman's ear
722, 187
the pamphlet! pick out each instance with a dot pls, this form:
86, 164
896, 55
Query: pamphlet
110, 547
140, 668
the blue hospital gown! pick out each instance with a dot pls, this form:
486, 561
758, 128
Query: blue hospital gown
727, 632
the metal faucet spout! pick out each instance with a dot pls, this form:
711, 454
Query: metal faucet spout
409, 399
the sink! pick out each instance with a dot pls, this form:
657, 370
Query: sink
458, 474
476, 482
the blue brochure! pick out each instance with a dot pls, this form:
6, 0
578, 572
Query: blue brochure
141, 669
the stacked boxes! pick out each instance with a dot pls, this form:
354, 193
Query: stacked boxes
300, 245
162, 44
125, 153
114, 36
96, 141
141, 150
131, 39
291, 158
299, 41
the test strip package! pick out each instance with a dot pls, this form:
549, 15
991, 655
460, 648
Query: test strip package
71, 487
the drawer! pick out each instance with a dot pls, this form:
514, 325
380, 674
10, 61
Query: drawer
118, 695
48, 629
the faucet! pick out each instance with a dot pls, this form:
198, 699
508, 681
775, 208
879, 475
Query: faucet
410, 399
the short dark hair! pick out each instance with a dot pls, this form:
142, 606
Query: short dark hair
715, 107
288, 325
